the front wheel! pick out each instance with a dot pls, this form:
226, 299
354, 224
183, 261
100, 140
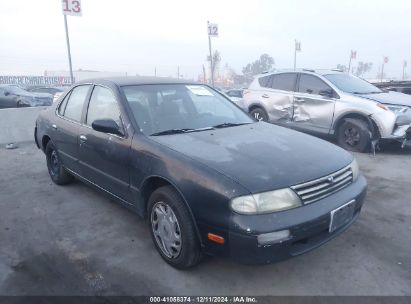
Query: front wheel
354, 135
172, 229
259, 114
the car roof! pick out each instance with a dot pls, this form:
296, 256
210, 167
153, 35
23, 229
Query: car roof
138, 80
306, 71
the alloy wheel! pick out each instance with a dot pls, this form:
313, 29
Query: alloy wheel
352, 136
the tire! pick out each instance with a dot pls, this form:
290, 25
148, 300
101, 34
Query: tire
177, 229
354, 135
259, 114
19, 104
57, 173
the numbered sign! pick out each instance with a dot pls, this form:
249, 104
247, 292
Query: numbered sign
212, 29
71, 7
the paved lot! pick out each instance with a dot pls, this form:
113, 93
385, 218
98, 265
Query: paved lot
73, 241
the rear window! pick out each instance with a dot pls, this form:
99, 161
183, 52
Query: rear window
285, 82
264, 81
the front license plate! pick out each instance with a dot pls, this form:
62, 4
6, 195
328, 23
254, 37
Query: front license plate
341, 216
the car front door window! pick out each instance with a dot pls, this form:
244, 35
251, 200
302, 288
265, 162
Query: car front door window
312, 85
103, 105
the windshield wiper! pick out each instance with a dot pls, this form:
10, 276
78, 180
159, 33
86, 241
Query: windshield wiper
179, 131
229, 124
172, 131
365, 93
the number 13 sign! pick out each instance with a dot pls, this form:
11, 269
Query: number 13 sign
71, 7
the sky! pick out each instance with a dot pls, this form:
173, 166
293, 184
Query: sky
137, 37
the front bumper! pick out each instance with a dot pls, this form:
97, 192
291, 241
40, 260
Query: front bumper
401, 132
308, 226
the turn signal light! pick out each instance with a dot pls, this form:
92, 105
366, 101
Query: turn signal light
380, 105
216, 238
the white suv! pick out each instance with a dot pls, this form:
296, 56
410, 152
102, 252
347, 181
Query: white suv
333, 103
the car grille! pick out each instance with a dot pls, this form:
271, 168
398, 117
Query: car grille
317, 189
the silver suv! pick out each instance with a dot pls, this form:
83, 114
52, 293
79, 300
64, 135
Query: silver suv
333, 103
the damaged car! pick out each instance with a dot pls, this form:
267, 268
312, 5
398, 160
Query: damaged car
208, 178
358, 114
12, 96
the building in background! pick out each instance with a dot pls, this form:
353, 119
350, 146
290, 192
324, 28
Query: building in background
80, 74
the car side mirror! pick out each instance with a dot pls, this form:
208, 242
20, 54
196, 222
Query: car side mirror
6, 93
106, 126
327, 93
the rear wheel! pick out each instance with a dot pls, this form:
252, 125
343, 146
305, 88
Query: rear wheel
58, 174
259, 114
354, 135
172, 229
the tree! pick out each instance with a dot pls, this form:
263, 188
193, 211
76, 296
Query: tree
263, 64
216, 62
363, 67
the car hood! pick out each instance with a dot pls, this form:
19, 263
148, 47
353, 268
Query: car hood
34, 94
394, 98
260, 156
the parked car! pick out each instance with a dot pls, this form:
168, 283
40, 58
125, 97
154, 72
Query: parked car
55, 91
209, 178
12, 96
49, 90
397, 86
236, 96
332, 103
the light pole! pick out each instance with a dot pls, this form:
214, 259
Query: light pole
297, 48
73, 8
353, 55
212, 29
211, 57
384, 61
68, 50
404, 65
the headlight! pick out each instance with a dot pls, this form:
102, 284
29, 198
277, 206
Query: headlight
266, 202
397, 109
355, 170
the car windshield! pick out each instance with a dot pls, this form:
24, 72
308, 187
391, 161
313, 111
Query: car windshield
179, 108
351, 84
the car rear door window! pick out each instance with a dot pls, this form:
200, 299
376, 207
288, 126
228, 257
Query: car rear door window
312, 85
103, 105
74, 107
62, 106
285, 82
264, 81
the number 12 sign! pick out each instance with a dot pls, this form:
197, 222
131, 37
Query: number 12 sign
71, 7
212, 29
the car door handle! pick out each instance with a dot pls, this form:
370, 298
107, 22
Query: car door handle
83, 138
265, 96
54, 126
299, 99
